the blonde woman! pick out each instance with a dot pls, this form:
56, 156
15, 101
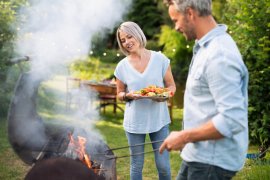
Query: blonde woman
140, 68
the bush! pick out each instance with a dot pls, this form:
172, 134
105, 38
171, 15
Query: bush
7, 34
92, 68
250, 26
176, 48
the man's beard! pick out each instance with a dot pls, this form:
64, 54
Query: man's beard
190, 36
189, 31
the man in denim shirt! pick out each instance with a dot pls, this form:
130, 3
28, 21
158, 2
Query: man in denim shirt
214, 141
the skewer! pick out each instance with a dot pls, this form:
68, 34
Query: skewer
124, 147
109, 157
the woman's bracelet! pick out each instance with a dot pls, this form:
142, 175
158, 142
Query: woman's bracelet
124, 97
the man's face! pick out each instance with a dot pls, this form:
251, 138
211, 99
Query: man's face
182, 23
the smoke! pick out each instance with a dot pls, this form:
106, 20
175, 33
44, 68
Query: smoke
54, 33
57, 31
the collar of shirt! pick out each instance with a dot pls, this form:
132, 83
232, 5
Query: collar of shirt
219, 29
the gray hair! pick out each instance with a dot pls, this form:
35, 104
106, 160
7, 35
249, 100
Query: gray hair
203, 7
132, 29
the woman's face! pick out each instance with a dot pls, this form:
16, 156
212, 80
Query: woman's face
129, 42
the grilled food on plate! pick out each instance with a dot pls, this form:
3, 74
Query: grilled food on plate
153, 91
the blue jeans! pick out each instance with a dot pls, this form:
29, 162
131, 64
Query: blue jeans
195, 170
162, 160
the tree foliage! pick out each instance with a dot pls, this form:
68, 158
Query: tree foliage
178, 50
6, 34
147, 14
250, 26
8, 18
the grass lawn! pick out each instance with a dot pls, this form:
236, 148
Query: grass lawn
111, 127
52, 106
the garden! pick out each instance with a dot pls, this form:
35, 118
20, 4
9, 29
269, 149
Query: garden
94, 54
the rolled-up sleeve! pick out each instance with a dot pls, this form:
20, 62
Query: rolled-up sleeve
226, 77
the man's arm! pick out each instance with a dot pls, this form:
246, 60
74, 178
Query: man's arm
178, 139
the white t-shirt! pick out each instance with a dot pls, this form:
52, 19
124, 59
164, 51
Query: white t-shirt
144, 115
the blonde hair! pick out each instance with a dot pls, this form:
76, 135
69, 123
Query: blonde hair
132, 29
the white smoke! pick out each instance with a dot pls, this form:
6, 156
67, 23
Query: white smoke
57, 31
53, 34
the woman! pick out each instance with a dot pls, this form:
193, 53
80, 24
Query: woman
140, 68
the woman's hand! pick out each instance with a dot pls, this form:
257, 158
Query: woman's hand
161, 99
131, 95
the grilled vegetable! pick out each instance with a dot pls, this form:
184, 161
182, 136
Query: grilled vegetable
153, 90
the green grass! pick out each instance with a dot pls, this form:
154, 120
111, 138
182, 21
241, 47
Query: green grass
111, 127
93, 68
52, 107
11, 167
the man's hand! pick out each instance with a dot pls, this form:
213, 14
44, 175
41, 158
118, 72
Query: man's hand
175, 141
178, 139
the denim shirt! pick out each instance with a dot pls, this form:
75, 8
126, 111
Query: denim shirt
216, 90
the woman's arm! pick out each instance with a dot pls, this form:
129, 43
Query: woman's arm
121, 90
122, 93
169, 81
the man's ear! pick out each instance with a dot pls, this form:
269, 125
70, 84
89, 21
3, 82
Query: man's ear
191, 13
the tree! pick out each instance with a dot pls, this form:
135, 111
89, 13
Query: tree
218, 9
250, 26
6, 34
147, 14
178, 50
8, 18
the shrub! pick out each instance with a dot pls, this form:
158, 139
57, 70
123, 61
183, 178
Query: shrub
250, 26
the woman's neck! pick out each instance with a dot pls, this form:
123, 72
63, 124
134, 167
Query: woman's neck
140, 54
139, 59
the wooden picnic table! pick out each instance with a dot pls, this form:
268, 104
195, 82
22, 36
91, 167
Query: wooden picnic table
107, 94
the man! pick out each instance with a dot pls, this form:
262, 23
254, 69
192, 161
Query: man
214, 139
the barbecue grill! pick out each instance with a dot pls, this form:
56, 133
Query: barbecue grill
33, 140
